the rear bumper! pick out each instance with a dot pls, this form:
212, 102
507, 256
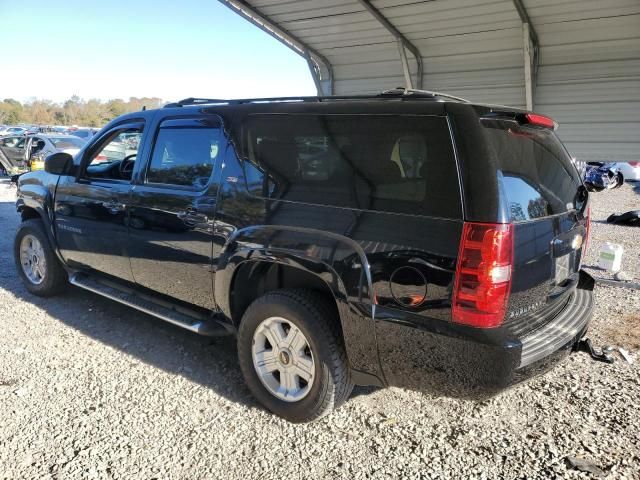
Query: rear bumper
451, 360
569, 324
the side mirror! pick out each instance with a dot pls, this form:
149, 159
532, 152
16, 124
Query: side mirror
58, 163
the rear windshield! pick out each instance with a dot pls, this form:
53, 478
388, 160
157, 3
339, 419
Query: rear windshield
390, 163
538, 176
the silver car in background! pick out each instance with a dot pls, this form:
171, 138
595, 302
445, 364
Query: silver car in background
40, 146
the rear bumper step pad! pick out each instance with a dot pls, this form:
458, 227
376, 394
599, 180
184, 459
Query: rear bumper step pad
569, 323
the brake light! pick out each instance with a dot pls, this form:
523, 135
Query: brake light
540, 120
483, 274
634, 164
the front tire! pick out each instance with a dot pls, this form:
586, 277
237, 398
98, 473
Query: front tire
36, 262
292, 355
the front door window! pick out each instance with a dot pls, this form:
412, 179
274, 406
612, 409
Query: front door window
116, 157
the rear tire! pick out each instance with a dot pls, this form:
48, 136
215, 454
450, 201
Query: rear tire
619, 180
36, 262
306, 319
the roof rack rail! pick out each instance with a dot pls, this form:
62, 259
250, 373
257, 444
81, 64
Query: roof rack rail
399, 92
420, 93
238, 101
194, 101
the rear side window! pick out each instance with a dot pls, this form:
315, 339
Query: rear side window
185, 152
537, 174
389, 163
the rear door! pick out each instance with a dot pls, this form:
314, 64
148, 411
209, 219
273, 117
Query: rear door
543, 196
172, 208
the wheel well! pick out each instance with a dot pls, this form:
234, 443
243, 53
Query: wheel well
27, 213
254, 279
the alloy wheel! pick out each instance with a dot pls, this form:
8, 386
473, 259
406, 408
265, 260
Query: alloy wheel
283, 359
32, 259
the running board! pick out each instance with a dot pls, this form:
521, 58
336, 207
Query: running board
182, 317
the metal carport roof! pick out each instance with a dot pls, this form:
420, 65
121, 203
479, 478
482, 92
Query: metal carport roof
575, 60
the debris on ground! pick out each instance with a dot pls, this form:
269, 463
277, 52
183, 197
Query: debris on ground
631, 218
622, 276
585, 465
626, 355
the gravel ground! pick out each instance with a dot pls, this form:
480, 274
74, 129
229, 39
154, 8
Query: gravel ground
91, 389
604, 204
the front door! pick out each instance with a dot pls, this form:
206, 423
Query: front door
91, 209
172, 206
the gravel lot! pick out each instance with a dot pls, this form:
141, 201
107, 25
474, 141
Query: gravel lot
92, 389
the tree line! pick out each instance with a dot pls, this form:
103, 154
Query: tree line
75, 111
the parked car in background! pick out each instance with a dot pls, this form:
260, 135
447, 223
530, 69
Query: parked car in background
599, 176
13, 131
629, 170
408, 239
84, 133
12, 153
38, 147
125, 145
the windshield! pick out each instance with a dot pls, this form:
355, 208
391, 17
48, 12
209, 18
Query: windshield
66, 142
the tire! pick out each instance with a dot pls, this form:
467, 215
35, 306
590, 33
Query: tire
619, 180
316, 319
53, 278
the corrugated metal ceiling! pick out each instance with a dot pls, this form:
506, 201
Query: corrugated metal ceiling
588, 74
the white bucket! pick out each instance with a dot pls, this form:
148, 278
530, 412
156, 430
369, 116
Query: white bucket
610, 257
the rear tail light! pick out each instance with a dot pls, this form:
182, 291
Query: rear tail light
483, 274
100, 158
540, 120
634, 164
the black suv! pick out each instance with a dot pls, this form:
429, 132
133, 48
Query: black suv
408, 238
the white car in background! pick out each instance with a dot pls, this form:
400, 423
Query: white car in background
12, 131
629, 170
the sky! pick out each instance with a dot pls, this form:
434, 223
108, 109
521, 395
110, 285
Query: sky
141, 48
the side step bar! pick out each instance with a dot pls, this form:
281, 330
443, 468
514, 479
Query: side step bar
182, 317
